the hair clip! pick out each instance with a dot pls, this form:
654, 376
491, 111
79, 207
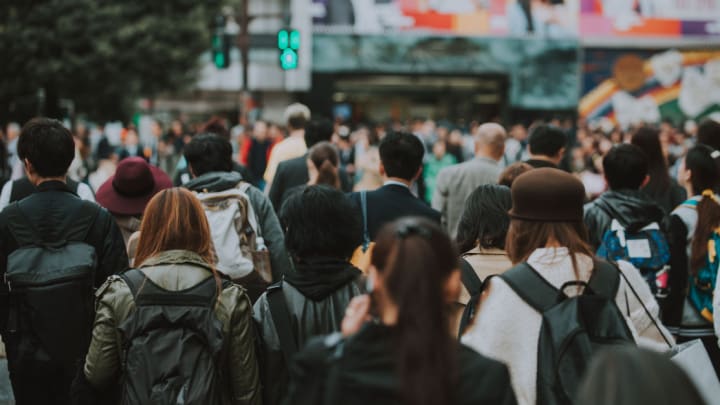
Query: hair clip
710, 194
406, 230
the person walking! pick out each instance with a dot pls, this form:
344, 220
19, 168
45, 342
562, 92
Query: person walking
321, 234
55, 249
171, 328
547, 240
546, 146
395, 346
455, 183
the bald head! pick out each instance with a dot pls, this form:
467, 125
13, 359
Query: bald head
490, 141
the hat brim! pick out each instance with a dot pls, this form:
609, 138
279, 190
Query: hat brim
123, 205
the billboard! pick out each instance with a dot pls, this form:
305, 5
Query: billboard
656, 18
629, 87
535, 18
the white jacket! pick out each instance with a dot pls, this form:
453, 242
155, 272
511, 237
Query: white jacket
507, 329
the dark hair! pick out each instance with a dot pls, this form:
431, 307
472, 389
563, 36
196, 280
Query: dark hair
648, 139
626, 375
485, 221
508, 176
401, 154
524, 237
207, 153
320, 221
316, 131
705, 180
416, 258
625, 167
547, 140
708, 133
48, 145
325, 158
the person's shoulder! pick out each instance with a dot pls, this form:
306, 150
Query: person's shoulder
483, 376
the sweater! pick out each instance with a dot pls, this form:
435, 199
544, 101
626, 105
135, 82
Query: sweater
507, 329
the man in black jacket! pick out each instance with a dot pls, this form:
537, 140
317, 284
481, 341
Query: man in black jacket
401, 157
52, 217
546, 145
294, 172
626, 171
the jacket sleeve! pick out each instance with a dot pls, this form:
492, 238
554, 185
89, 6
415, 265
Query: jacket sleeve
102, 363
276, 188
590, 217
272, 233
243, 363
273, 371
112, 255
672, 306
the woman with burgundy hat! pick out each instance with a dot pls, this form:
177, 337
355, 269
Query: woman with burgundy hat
127, 193
547, 232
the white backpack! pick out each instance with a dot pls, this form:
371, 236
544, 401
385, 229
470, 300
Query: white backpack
237, 237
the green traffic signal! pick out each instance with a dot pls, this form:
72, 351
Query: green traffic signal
221, 51
283, 40
288, 59
295, 39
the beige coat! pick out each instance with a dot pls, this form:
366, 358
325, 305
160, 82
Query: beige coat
507, 329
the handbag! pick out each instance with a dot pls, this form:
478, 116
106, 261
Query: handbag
693, 358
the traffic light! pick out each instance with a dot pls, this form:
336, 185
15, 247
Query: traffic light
288, 42
221, 50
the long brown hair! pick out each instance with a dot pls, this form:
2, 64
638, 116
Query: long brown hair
524, 237
416, 258
175, 220
704, 167
325, 158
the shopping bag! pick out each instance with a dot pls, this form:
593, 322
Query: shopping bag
693, 358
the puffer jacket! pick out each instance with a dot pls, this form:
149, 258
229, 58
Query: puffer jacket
271, 230
632, 208
175, 270
317, 296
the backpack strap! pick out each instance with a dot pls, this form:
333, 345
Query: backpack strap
531, 287
366, 233
282, 321
469, 278
28, 234
605, 280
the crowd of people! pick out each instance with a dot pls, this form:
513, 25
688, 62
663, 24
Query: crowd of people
318, 262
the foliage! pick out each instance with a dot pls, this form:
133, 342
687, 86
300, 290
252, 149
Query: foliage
101, 54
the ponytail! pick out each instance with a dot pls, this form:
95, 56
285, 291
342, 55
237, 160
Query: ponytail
416, 258
708, 211
328, 174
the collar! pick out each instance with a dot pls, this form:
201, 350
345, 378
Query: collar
487, 159
176, 257
52, 185
396, 183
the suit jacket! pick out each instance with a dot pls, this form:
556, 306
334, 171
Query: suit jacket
292, 173
391, 202
455, 183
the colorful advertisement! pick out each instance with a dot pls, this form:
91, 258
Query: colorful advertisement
656, 18
536, 18
631, 87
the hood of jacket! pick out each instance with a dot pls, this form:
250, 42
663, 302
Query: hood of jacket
632, 208
214, 181
318, 278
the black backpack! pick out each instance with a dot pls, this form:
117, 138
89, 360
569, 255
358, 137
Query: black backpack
172, 344
51, 286
573, 328
474, 285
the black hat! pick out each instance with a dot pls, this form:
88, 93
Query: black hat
547, 195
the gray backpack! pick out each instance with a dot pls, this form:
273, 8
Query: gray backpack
51, 284
172, 344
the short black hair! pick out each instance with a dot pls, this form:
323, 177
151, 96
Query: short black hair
48, 145
485, 221
207, 153
547, 140
625, 167
316, 131
320, 221
401, 154
708, 133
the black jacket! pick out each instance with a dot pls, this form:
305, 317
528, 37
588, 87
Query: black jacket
667, 197
391, 202
365, 373
292, 173
51, 213
632, 208
316, 296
